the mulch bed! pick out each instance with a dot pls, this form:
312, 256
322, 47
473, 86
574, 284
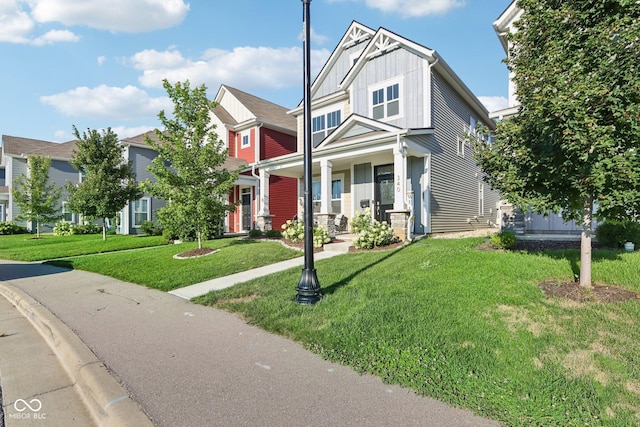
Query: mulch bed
378, 248
195, 253
571, 290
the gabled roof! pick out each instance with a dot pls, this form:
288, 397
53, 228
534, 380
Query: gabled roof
356, 33
142, 138
224, 115
264, 111
355, 126
18, 146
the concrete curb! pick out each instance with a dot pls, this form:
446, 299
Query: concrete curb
105, 399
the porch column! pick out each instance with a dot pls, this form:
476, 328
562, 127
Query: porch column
264, 220
325, 186
263, 207
400, 177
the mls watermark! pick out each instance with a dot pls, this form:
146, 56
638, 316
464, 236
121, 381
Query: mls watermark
30, 410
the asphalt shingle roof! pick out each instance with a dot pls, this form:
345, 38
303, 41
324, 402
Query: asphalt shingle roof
263, 110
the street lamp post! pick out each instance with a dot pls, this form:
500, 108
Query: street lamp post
308, 287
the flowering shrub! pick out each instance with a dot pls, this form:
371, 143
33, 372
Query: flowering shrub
294, 231
63, 228
504, 240
370, 232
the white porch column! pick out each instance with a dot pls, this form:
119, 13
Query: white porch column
325, 186
263, 207
400, 178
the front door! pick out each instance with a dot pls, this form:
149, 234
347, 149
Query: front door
246, 211
383, 193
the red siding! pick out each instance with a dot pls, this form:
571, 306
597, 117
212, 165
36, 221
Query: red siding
276, 144
232, 144
247, 153
232, 215
283, 199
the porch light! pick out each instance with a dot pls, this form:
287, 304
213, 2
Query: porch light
308, 287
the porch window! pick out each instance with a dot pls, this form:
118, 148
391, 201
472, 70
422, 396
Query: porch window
336, 195
385, 100
141, 211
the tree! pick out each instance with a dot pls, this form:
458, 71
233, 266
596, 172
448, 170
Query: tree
189, 169
108, 182
575, 139
36, 198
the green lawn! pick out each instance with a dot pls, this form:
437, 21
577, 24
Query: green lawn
25, 247
468, 327
156, 267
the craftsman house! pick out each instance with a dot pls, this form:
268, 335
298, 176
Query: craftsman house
389, 120
254, 130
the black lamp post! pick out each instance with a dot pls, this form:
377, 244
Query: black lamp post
308, 287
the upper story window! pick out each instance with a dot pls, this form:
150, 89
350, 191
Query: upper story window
323, 124
386, 100
245, 140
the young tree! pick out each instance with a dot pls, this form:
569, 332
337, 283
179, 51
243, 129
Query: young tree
576, 137
108, 182
189, 168
36, 198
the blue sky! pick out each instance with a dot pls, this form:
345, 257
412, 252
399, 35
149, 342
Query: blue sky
98, 64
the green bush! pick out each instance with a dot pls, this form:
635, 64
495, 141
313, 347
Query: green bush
255, 233
150, 228
615, 234
11, 228
294, 231
88, 228
273, 234
504, 240
370, 232
63, 228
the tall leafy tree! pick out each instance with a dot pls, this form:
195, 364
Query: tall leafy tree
576, 137
189, 169
108, 181
35, 196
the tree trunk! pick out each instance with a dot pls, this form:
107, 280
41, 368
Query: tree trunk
37, 228
585, 243
104, 229
199, 238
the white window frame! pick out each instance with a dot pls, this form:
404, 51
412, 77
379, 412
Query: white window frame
460, 146
325, 131
480, 198
334, 177
135, 211
246, 136
65, 211
384, 86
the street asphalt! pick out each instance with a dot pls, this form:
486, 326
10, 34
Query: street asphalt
126, 355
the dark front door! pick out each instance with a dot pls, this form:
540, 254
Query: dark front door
384, 186
246, 211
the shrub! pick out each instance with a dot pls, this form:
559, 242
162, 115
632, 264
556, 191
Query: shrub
615, 234
150, 228
370, 232
255, 233
63, 228
294, 231
505, 239
88, 228
11, 228
273, 234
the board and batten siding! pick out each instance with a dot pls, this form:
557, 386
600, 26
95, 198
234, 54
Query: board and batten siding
399, 63
455, 179
337, 73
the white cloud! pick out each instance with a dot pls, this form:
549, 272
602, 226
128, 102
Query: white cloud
131, 16
105, 102
15, 23
101, 59
494, 103
413, 8
250, 68
55, 36
126, 132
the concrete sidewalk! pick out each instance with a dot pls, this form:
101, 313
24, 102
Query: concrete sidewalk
191, 365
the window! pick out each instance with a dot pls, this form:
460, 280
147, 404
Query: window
385, 100
67, 215
323, 124
336, 195
141, 212
480, 199
246, 141
460, 147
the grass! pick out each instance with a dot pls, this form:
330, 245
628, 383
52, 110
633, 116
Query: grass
468, 327
156, 267
25, 247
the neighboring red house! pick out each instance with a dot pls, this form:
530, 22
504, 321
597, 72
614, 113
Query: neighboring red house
255, 130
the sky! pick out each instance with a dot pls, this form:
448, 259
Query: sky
97, 64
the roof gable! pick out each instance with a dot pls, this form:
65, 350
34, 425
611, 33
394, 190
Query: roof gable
254, 108
357, 126
18, 146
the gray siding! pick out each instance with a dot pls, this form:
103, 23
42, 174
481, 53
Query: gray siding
18, 167
454, 179
362, 183
394, 64
337, 73
141, 158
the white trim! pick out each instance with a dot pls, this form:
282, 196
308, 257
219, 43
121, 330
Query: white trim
384, 85
148, 200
